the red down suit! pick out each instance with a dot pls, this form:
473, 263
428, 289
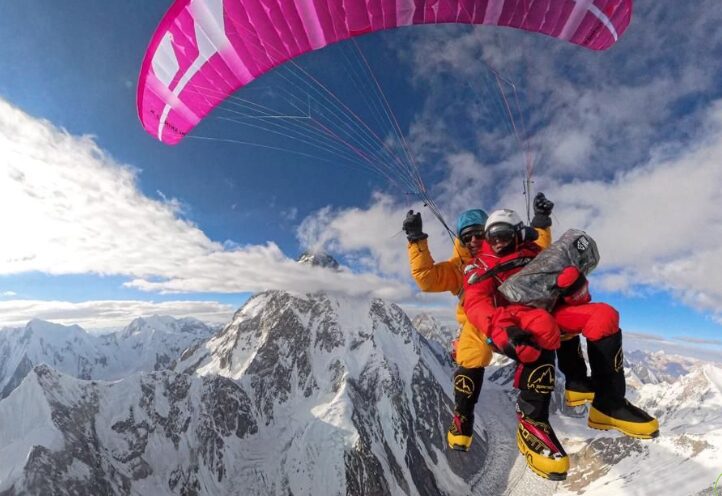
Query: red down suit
486, 307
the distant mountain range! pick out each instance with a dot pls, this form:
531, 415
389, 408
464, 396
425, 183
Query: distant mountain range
144, 345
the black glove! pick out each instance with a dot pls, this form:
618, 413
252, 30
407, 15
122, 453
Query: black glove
516, 343
412, 227
542, 205
542, 211
518, 336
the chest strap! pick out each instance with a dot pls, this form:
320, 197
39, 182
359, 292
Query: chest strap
499, 269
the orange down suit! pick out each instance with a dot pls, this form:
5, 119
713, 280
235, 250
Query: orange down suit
472, 350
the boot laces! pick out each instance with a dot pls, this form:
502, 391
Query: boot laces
457, 422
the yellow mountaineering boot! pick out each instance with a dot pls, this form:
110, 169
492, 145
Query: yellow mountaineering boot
541, 449
577, 393
626, 418
461, 432
535, 438
610, 409
467, 385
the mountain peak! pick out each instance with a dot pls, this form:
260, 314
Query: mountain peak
45, 326
318, 259
433, 330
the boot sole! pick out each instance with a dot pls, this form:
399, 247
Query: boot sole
607, 427
455, 443
579, 400
552, 476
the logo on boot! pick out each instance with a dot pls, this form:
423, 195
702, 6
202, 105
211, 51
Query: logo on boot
464, 384
619, 361
541, 380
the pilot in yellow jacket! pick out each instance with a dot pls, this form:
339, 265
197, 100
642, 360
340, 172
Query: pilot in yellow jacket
473, 353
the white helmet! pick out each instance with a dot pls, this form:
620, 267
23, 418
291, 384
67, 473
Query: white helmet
503, 216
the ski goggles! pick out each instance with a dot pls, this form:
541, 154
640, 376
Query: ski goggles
500, 233
468, 236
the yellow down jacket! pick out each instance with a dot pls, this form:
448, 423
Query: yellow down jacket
472, 349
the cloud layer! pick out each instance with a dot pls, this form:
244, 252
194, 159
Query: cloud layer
108, 314
68, 208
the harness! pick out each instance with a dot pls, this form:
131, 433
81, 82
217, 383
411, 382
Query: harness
497, 270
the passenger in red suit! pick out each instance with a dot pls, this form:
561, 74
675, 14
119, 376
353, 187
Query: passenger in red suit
530, 336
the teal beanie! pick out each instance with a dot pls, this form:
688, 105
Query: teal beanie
471, 217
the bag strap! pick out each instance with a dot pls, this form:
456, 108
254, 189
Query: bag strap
499, 269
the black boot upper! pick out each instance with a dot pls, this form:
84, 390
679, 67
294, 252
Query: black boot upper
627, 412
583, 385
606, 360
571, 360
467, 386
536, 383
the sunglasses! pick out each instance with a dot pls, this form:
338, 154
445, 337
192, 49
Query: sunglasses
500, 234
467, 237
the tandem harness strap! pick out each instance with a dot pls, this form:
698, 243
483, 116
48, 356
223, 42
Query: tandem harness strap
502, 267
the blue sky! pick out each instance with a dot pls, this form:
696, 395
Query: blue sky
102, 223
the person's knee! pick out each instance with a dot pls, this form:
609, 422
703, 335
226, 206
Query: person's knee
473, 355
603, 322
545, 330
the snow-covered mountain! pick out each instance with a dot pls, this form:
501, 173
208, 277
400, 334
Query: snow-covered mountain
147, 344
318, 260
438, 336
349, 398
66, 348
153, 343
683, 392
657, 367
297, 395
314, 394
433, 330
150, 434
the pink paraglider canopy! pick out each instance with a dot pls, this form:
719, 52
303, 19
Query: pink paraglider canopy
204, 50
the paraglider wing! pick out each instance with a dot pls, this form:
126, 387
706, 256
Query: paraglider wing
204, 50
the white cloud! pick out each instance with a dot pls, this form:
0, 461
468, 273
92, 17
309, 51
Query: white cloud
9, 294
373, 236
68, 208
572, 149
657, 224
108, 313
628, 141
590, 113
